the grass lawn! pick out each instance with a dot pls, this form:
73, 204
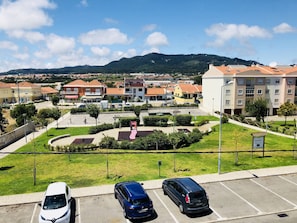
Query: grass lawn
81, 170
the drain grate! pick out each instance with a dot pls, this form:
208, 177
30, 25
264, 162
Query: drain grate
282, 215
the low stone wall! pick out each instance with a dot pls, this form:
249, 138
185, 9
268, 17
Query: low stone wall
57, 138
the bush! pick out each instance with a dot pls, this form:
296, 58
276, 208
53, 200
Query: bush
184, 120
125, 122
78, 110
155, 120
100, 128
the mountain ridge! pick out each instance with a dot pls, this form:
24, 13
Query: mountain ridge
188, 64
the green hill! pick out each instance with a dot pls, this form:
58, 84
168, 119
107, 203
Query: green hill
150, 63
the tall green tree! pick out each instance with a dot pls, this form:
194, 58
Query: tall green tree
55, 114
258, 109
55, 100
23, 113
2, 119
93, 110
287, 109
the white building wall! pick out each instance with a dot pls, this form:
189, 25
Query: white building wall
212, 82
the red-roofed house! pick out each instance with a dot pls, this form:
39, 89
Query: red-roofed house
187, 93
80, 90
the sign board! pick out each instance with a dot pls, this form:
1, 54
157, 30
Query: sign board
258, 142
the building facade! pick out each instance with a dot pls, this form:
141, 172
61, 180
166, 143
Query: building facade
231, 87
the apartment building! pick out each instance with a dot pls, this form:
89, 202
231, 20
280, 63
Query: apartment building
230, 87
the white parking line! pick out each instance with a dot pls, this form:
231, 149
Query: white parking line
34, 211
78, 210
219, 217
250, 204
290, 202
173, 217
290, 181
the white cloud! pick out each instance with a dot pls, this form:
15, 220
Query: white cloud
110, 21
283, 28
60, 45
24, 14
151, 50
149, 27
156, 39
8, 45
22, 56
226, 32
104, 37
100, 51
84, 3
30, 36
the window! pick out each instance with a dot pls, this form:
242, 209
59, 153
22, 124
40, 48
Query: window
276, 100
267, 81
239, 92
267, 91
290, 91
259, 91
227, 102
240, 81
139, 89
228, 91
277, 81
260, 81
276, 91
239, 102
290, 81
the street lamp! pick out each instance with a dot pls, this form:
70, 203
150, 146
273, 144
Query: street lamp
220, 130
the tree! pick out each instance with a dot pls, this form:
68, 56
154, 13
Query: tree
258, 109
55, 100
23, 113
55, 114
93, 110
287, 109
137, 110
2, 119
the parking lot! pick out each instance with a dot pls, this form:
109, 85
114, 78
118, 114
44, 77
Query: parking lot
263, 199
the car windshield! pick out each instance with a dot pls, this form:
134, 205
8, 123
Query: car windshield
54, 202
140, 201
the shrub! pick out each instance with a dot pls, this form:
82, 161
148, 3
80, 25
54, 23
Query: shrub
155, 120
184, 120
100, 128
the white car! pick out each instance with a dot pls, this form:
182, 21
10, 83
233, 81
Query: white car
56, 205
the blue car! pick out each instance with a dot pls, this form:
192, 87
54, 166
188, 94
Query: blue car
134, 200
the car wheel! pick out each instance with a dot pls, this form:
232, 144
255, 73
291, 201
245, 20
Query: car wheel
115, 196
181, 208
164, 192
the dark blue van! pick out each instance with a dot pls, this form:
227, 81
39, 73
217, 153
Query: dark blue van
134, 200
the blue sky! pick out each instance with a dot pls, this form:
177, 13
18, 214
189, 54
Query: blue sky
58, 33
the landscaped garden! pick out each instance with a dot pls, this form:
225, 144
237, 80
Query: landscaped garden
89, 168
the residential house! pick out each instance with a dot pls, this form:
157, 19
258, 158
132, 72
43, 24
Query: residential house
134, 89
155, 94
24, 92
187, 93
80, 90
48, 92
230, 88
6, 94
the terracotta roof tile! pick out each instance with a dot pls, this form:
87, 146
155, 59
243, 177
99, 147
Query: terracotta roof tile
115, 91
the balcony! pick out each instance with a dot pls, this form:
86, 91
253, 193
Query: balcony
93, 93
69, 92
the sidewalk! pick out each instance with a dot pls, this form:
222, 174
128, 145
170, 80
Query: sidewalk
152, 184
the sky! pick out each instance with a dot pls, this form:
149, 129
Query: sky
59, 33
